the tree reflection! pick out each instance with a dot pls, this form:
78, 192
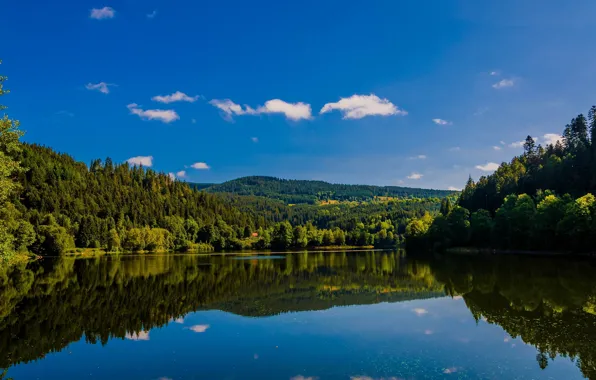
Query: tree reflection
45, 306
548, 303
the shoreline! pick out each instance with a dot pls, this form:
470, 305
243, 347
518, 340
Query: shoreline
96, 252
495, 251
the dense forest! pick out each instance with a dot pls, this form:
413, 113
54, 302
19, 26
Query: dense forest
312, 192
51, 204
63, 204
541, 200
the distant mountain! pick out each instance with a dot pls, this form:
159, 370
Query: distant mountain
302, 191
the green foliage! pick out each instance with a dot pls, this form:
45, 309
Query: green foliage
310, 192
481, 225
9, 167
567, 167
54, 240
525, 215
116, 207
282, 236
554, 224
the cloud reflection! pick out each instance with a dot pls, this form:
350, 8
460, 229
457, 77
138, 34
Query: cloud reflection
199, 328
420, 311
141, 335
300, 377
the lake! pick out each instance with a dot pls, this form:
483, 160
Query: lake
299, 316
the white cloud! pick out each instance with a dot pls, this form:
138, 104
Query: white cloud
172, 176
552, 138
175, 97
455, 149
359, 106
292, 111
428, 332
453, 188
489, 167
502, 142
442, 122
199, 328
152, 14
102, 87
200, 166
300, 377
194, 121
496, 147
141, 335
504, 83
165, 116
420, 311
415, 176
103, 13
418, 157
181, 174
229, 108
493, 73
146, 161
254, 139
517, 144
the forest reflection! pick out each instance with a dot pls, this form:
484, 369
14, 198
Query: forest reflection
44, 306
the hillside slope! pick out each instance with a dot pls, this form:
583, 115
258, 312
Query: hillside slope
303, 191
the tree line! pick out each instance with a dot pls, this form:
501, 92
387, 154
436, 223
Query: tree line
310, 192
541, 200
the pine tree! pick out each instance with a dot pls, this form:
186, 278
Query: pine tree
9, 166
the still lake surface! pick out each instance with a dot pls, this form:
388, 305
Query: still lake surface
300, 316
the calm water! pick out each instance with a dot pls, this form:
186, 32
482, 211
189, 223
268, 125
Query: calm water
302, 316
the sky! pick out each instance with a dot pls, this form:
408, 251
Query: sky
407, 93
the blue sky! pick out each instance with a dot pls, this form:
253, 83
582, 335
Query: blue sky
414, 93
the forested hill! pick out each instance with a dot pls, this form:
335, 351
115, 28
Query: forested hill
541, 200
303, 191
60, 205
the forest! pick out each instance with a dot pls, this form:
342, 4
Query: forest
51, 204
541, 200
62, 205
312, 192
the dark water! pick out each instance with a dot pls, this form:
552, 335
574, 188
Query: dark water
359, 316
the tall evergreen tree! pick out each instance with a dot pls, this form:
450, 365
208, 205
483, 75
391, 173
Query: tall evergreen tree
9, 166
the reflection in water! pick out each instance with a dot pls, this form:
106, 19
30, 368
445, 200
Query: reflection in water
549, 303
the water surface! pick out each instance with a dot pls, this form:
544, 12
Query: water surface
301, 316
